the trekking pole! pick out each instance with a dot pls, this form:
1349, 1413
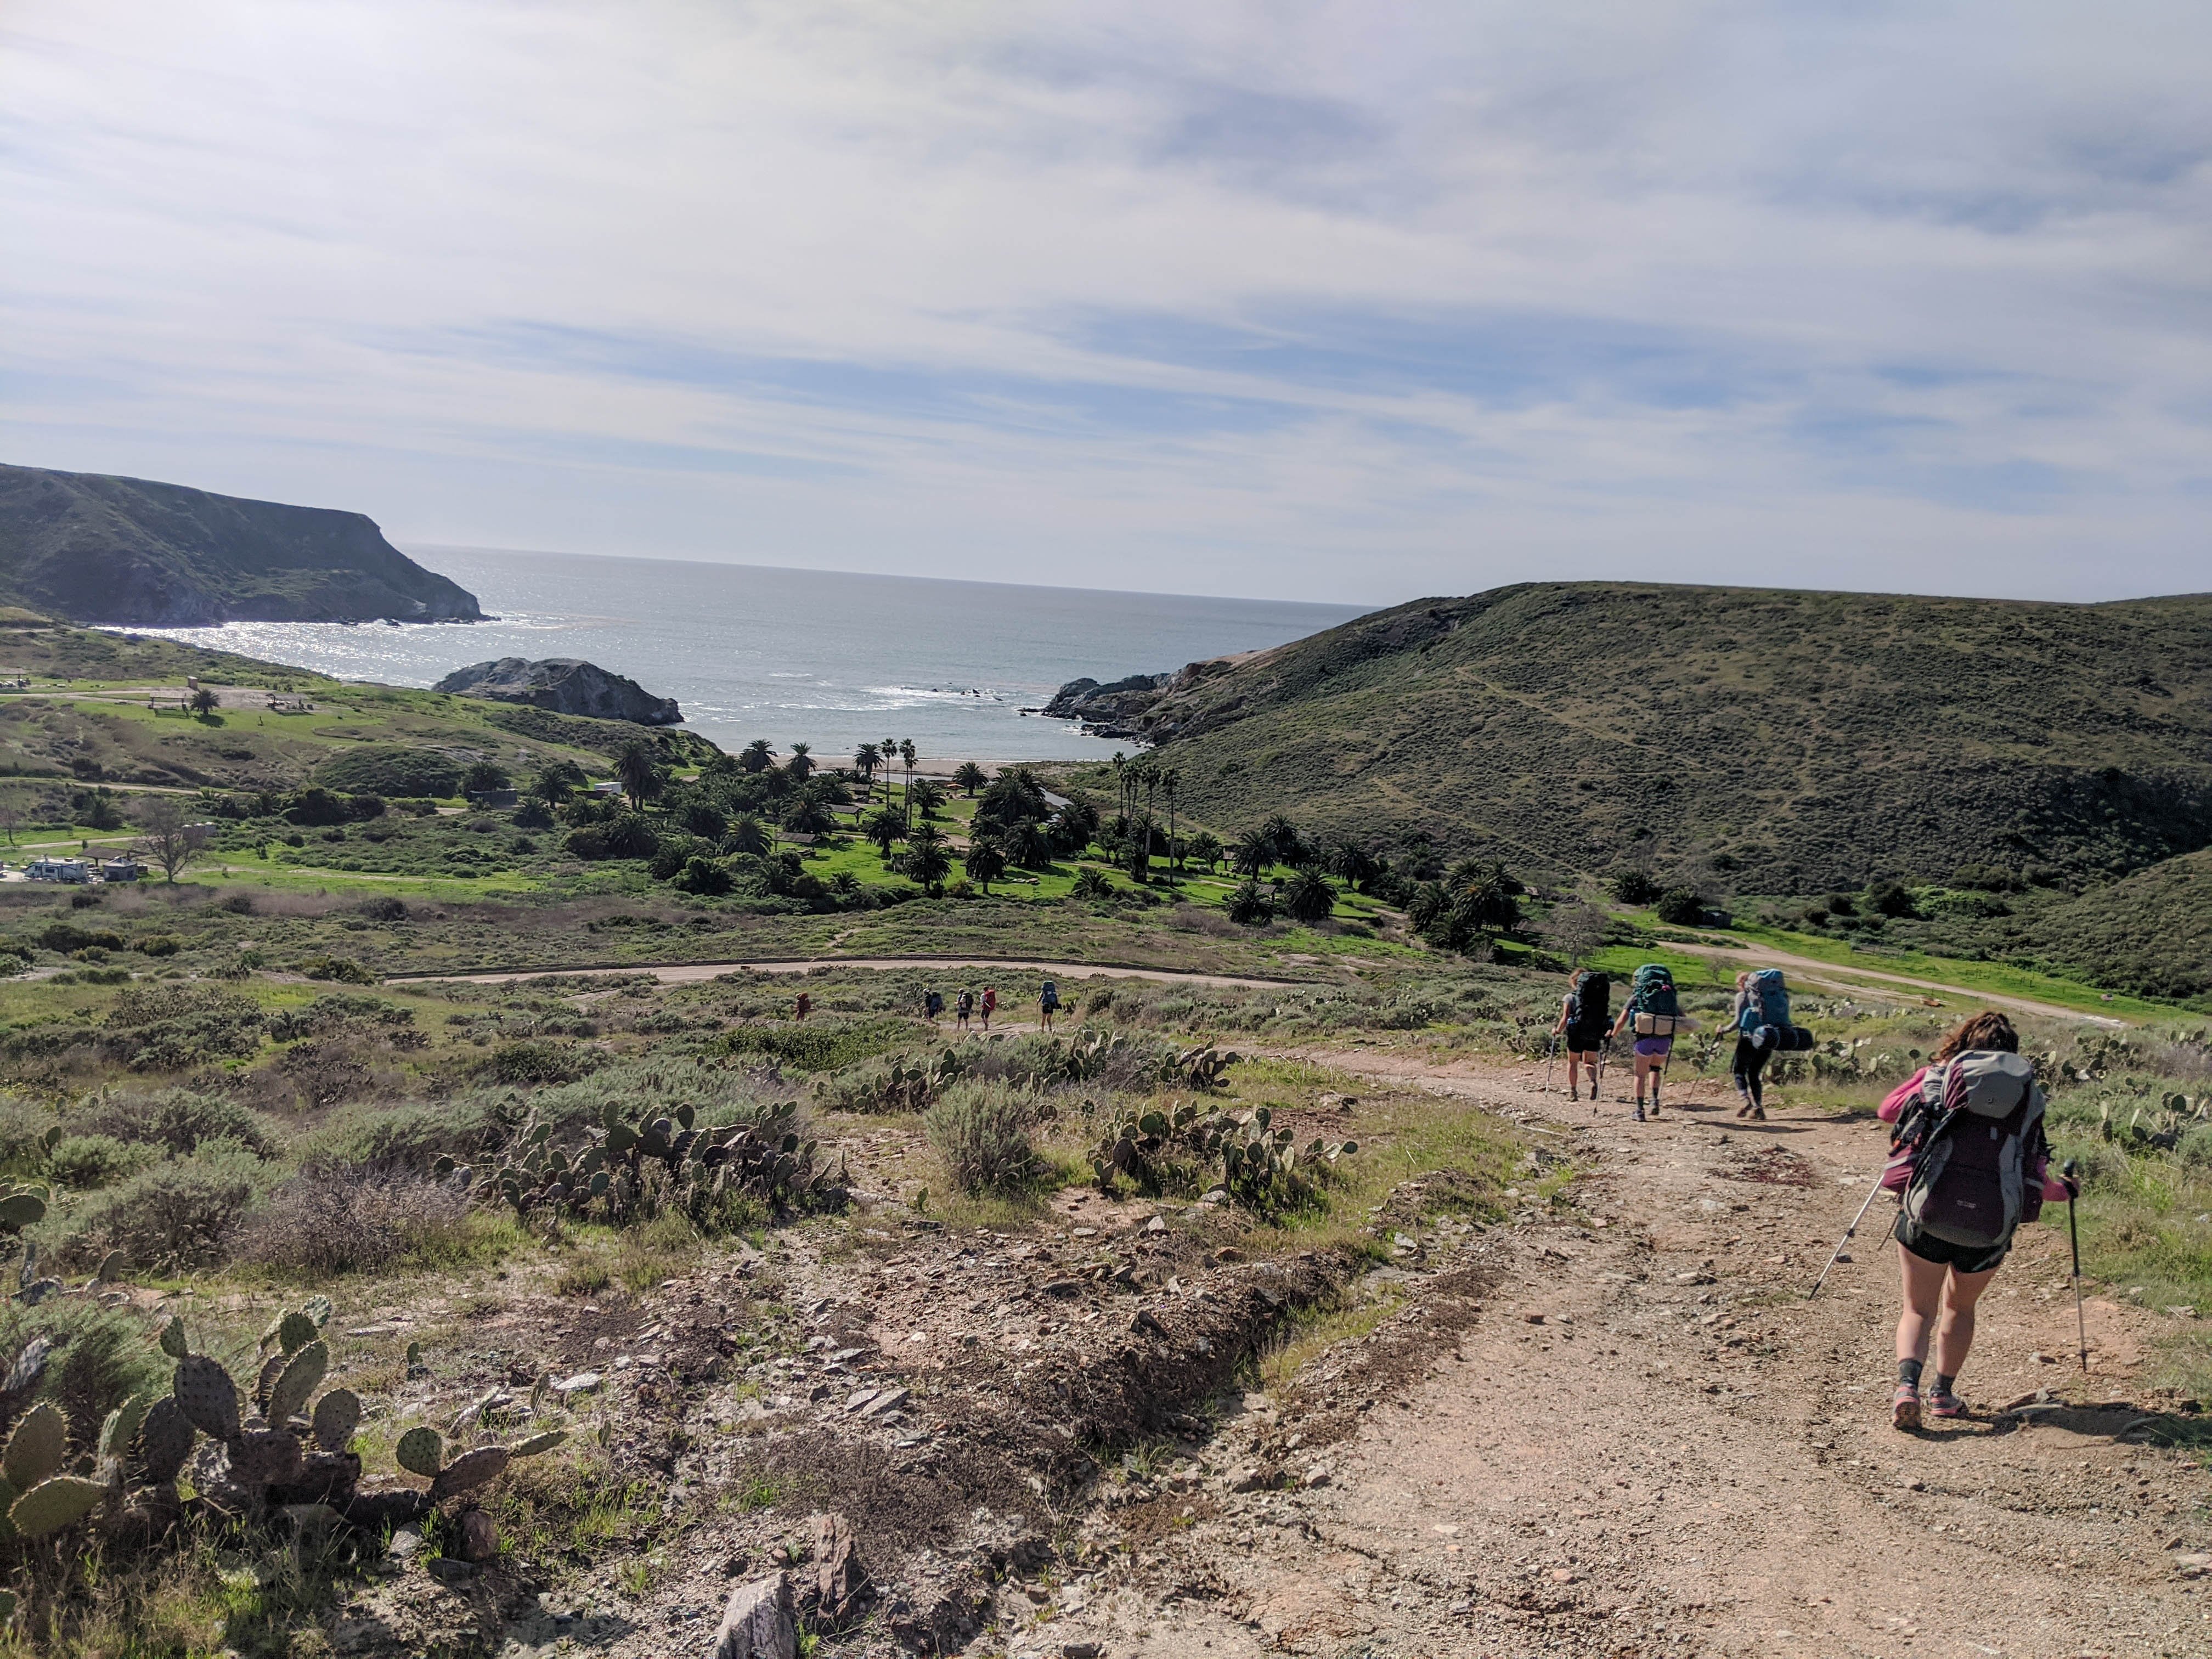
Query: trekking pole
1550, 1055
2074, 1237
1849, 1232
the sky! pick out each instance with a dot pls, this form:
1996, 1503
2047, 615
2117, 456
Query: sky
1342, 302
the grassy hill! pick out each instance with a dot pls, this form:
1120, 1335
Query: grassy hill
105, 549
1790, 742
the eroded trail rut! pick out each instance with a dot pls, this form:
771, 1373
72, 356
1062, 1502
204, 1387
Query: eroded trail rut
1684, 1456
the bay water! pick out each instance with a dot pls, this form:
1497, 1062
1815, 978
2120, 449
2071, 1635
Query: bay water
829, 658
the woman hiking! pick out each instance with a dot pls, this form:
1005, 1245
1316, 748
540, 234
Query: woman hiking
1583, 1021
1651, 1003
1750, 1056
1970, 1163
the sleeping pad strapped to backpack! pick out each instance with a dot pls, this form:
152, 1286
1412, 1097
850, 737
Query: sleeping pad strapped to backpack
1765, 1020
1967, 1148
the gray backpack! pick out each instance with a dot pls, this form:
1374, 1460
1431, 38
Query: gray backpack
1979, 1128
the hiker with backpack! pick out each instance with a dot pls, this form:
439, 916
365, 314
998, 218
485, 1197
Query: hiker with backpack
1048, 1003
964, 1008
1969, 1161
990, 1006
1584, 1013
1653, 1012
1763, 1029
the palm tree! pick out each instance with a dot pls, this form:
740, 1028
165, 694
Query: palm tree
907, 754
1283, 836
1307, 897
205, 703
1027, 845
925, 860
1250, 904
1138, 849
970, 778
801, 764
746, 835
1121, 781
865, 759
928, 799
1093, 885
1205, 848
986, 862
1255, 852
554, 781
639, 769
884, 827
1171, 781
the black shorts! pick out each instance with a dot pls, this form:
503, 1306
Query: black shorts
1960, 1258
1585, 1040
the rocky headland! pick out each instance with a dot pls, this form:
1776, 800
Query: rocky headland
563, 685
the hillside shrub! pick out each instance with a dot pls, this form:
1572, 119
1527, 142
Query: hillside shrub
1633, 886
157, 945
318, 808
390, 769
353, 1220
1889, 898
411, 1136
981, 1130
625, 836
87, 1163
1681, 906
180, 1121
532, 1061
342, 969
178, 1214
23, 1128
66, 937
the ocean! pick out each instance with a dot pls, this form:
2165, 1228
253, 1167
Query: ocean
827, 657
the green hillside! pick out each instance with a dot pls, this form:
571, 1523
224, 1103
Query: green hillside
103, 550
1785, 742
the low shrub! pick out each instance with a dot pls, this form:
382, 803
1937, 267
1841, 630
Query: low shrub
86, 1162
178, 1214
181, 1121
352, 1220
524, 1064
342, 969
982, 1131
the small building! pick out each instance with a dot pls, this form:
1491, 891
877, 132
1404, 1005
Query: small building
122, 870
73, 871
612, 786
493, 800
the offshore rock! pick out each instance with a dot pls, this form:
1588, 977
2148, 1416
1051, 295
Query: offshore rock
563, 685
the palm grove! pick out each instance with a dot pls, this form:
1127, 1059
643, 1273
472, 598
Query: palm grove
741, 826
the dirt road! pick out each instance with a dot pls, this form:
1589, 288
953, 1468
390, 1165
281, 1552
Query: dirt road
1643, 1440
1829, 974
690, 973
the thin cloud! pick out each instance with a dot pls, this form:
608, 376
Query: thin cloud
1318, 300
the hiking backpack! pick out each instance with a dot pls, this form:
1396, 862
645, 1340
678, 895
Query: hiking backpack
1590, 1003
1764, 1018
1050, 997
1653, 991
1967, 1145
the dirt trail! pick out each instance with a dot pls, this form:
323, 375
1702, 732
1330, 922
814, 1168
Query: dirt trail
1824, 973
689, 973
1684, 1455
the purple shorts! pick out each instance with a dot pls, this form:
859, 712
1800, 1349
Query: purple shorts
1654, 1048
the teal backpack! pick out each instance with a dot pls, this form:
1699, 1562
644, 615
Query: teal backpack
1652, 991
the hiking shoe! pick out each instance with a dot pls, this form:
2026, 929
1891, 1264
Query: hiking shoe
1639, 1111
1905, 1409
1744, 1110
1655, 1109
1759, 1113
1941, 1402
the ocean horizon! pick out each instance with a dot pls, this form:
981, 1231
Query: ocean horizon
833, 659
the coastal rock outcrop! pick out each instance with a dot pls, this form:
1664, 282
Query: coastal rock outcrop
564, 685
95, 549
1127, 707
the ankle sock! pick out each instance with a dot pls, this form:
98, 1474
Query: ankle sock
1943, 1383
1908, 1373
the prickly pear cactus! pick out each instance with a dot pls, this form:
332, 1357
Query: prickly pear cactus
61, 1501
302, 1375
468, 1471
208, 1396
266, 1457
164, 1441
38, 1448
338, 1414
421, 1451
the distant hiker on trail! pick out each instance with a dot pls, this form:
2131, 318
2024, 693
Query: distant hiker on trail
963, 1006
805, 1005
1584, 1013
932, 1006
990, 1006
1655, 1014
1048, 1003
1969, 1163
1763, 1028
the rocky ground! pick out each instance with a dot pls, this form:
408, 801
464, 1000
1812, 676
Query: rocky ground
1609, 1425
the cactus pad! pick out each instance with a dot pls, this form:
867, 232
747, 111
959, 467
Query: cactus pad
538, 1443
294, 1331
120, 1431
111, 1268
421, 1452
338, 1414
21, 1210
468, 1471
173, 1339
301, 1378
272, 1368
53, 1505
267, 1457
38, 1448
165, 1440
208, 1396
